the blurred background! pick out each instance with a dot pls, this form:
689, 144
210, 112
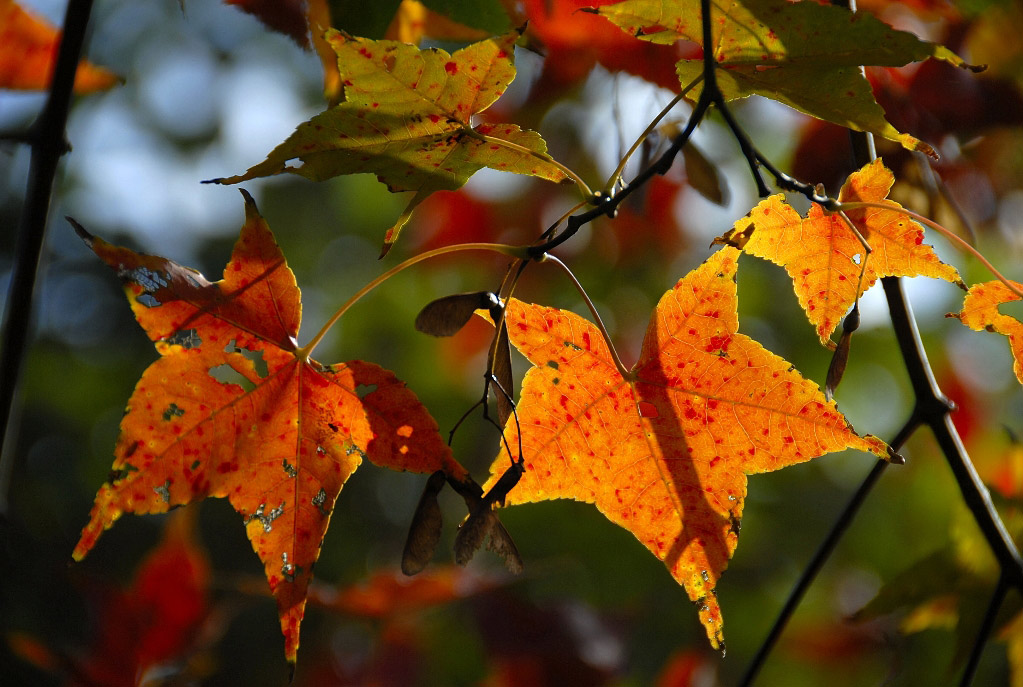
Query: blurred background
208, 91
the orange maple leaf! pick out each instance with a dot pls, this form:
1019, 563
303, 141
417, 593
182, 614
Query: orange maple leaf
28, 53
281, 441
980, 311
823, 255
665, 451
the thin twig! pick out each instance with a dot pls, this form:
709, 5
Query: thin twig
823, 553
987, 624
622, 370
49, 143
616, 176
515, 147
950, 235
305, 351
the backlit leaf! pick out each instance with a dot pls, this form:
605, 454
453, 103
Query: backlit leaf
407, 117
980, 311
665, 452
824, 257
805, 54
28, 54
233, 409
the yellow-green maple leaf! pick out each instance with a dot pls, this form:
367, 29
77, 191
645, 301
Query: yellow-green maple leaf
803, 54
407, 117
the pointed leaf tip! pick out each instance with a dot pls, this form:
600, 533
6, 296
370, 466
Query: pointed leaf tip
644, 449
315, 428
80, 230
824, 257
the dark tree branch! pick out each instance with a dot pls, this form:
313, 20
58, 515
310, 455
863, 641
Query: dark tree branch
935, 411
986, 625
823, 553
49, 142
931, 408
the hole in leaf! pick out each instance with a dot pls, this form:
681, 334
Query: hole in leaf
647, 409
1013, 309
150, 281
364, 390
258, 364
856, 259
225, 374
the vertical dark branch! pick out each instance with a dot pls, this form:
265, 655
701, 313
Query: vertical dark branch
823, 553
934, 410
986, 625
49, 143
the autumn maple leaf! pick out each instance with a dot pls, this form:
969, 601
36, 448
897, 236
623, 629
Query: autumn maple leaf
278, 443
980, 311
664, 452
407, 117
823, 255
28, 54
804, 54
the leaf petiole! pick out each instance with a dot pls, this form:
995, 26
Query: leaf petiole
625, 373
303, 353
583, 187
956, 240
612, 182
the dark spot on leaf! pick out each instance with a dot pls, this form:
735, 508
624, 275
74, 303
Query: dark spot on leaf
172, 411
121, 473
289, 469
186, 338
320, 501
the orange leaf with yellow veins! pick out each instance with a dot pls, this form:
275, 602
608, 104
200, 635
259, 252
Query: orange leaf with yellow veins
665, 452
980, 311
234, 409
823, 255
28, 54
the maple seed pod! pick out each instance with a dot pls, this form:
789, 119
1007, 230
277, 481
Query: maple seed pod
446, 316
424, 532
836, 370
479, 526
483, 523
